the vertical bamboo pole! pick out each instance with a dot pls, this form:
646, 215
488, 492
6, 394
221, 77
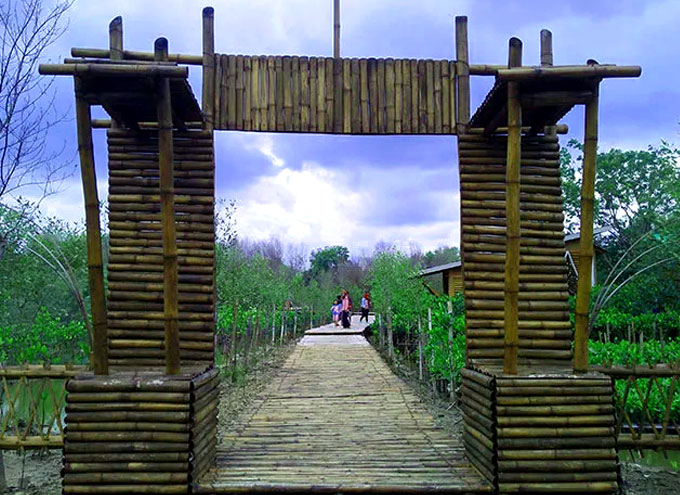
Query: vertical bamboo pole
452, 393
390, 336
586, 240
165, 158
208, 96
462, 75
546, 47
420, 349
116, 38
100, 361
336, 28
116, 48
234, 333
512, 178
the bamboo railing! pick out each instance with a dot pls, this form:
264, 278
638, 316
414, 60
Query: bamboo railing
656, 390
32, 402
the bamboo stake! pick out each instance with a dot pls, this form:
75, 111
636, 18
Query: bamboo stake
234, 332
512, 213
208, 97
94, 245
165, 163
586, 239
546, 48
116, 47
420, 349
390, 337
462, 75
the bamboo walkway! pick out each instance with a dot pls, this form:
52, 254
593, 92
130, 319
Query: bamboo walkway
336, 419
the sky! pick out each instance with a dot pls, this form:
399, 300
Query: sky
319, 190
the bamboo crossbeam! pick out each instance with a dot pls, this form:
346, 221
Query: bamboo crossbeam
595, 71
136, 55
113, 70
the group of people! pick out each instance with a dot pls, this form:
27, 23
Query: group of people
342, 309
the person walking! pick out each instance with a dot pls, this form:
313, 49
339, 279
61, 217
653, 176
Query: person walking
336, 309
365, 306
345, 309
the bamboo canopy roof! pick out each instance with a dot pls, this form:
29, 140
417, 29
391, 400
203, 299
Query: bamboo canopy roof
128, 92
547, 93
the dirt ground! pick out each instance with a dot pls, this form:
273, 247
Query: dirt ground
40, 471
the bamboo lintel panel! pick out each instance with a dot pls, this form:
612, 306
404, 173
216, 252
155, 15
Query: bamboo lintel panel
302, 95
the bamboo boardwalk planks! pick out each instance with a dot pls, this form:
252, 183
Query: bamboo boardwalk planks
135, 269
545, 335
541, 433
336, 419
343, 96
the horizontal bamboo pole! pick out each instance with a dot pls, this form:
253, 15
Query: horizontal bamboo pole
136, 55
595, 71
113, 70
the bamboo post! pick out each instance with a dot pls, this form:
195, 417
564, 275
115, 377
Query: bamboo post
546, 48
382, 333
390, 337
116, 47
462, 75
95, 269
273, 324
429, 332
311, 317
167, 194
208, 96
282, 328
336, 28
420, 349
452, 393
295, 324
116, 38
512, 180
234, 332
586, 240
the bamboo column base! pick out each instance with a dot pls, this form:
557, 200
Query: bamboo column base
542, 433
139, 432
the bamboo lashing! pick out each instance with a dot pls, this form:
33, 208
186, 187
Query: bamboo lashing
165, 159
586, 234
94, 244
512, 215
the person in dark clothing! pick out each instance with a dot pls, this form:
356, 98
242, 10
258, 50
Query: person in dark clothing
345, 309
365, 306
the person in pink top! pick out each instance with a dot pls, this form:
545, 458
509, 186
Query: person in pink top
345, 309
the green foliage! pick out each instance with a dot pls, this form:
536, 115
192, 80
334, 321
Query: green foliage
441, 256
328, 258
46, 339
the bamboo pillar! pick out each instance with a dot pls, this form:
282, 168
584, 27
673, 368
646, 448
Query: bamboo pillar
462, 75
336, 28
100, 361
512, 178
116, 38
116, 48
546, 48
165, 158
586, 240
208, 96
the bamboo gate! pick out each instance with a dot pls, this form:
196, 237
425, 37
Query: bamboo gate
535, 418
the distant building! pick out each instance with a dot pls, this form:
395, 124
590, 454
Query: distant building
448, 278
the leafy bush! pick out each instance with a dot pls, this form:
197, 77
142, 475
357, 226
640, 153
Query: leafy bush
47, 339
